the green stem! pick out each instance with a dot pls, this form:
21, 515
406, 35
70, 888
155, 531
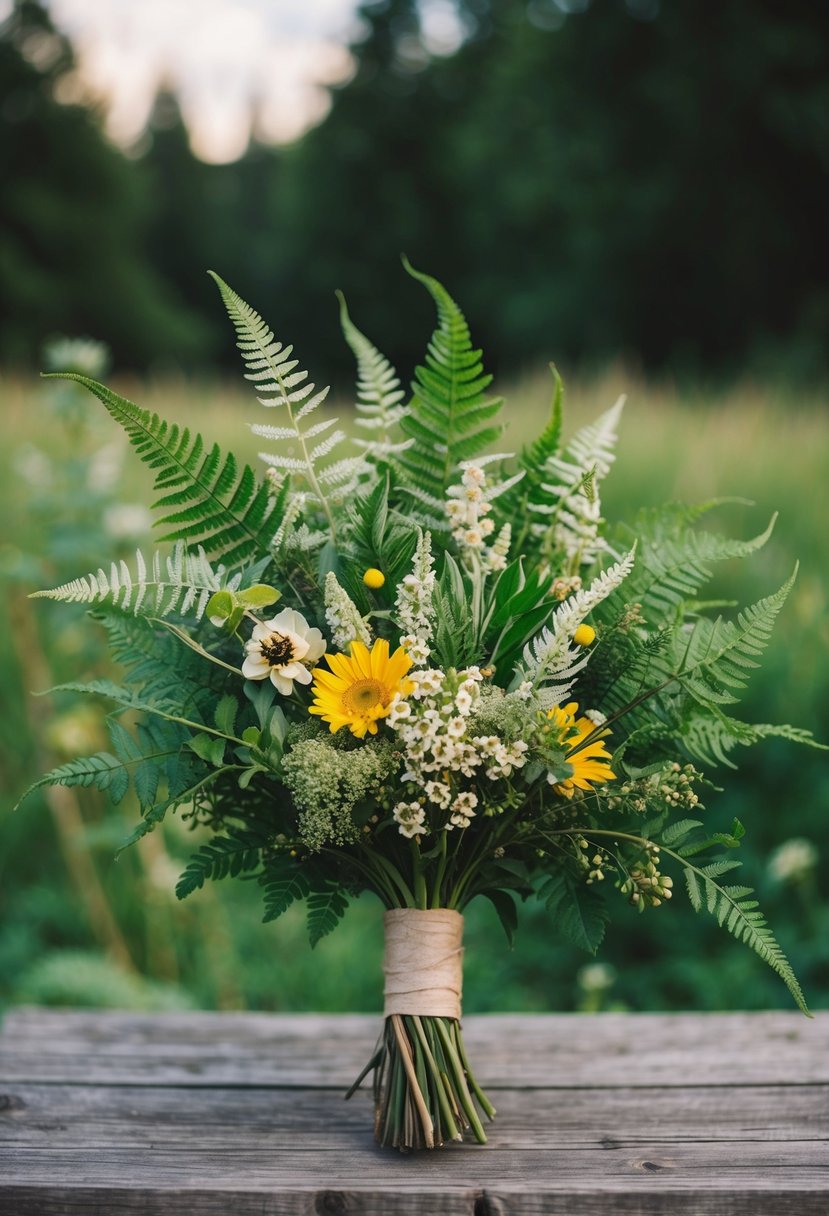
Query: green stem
436, 893
396, 879
460, 1081
421, 900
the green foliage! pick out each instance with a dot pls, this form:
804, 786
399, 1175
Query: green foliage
740, 916
236, 852
205, 500
449, 417
579, 912
326, 907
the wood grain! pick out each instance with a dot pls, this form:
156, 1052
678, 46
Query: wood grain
531, 1050
208, 1114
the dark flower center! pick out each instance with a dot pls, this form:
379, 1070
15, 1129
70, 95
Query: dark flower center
277, 649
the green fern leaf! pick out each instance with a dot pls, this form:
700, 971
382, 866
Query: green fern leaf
281, 383
204, 500
225, 856
181, 583
449, 418
284, 881
578, 911
741, 917
326, 907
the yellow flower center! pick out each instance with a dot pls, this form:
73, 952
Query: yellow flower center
363, 695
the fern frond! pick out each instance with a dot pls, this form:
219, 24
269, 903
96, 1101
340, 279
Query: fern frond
565, 494
735, 912
449, 418
284, 881
205, 500
672, 568
327, 905
380, 397
552, 656
183, 583
717, 657
237, 852
280, 381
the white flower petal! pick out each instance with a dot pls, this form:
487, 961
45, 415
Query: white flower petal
255, 669
280, 683
303, 676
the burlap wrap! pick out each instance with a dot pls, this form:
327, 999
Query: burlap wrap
423, 962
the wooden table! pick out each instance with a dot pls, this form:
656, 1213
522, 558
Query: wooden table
197, 1113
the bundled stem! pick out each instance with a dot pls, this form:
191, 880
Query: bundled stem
424, 1090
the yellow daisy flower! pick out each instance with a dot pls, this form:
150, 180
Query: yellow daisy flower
588, 764
360, 687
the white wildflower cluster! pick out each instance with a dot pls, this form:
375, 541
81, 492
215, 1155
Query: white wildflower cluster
414, 602
468, 513
409, 817
344, 619
434, 725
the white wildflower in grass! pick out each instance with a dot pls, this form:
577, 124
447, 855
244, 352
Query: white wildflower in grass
284, 649
794, 860
415, 611
344, 619
127, 521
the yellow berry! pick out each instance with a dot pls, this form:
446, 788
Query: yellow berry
374, 578
584, 635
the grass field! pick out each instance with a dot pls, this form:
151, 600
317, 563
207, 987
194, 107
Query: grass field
78, 927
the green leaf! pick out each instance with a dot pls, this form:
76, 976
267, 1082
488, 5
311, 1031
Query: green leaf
326, 908
260, 595
578, 911
209, 748
284, 881
504, 905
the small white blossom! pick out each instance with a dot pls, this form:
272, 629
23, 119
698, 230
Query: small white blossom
410, 816
283, 648
595, 716
439, 793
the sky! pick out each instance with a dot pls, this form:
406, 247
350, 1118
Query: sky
219, 56
224, 59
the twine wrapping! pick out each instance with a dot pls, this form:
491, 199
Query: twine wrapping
423, 962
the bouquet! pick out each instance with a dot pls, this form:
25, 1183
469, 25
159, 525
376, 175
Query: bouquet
399, 663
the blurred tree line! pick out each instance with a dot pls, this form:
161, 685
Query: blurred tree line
591, 179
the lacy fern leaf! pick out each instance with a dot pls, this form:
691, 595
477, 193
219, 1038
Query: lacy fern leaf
282, 383
449, 419
380, 398
181, 583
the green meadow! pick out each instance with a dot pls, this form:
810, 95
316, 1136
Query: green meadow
80, 927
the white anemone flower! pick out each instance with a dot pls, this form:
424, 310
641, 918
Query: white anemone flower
283, 648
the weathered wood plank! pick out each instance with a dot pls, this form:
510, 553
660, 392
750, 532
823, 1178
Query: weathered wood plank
25, 1201
54, 1118
206, 1049
114, 1114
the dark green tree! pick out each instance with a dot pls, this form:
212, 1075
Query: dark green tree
73, 255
